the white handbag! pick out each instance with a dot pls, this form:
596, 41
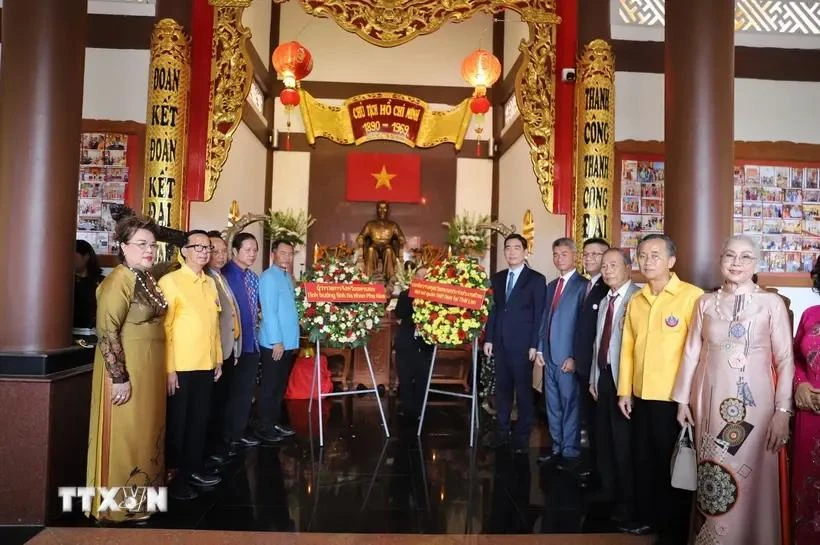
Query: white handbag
684, 462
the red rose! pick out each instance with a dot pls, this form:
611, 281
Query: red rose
310, 312
466, 314
461, 335
451, 273
451, 318
433, 316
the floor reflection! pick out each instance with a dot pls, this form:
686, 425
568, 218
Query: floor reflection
364, 483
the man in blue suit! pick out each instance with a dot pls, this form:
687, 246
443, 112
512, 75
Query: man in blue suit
512, 337
556, 352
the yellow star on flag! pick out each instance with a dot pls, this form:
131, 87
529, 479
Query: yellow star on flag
383, 178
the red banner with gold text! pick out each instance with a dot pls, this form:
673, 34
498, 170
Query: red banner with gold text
448, 294
326, 292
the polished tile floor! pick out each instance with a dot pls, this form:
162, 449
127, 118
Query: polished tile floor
362, 482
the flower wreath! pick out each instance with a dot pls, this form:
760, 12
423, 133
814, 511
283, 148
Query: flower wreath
337, 325
449, 326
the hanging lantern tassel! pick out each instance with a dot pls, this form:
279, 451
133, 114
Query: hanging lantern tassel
479, 105
290, 99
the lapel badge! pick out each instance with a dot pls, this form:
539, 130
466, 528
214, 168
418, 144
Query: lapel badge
595, 306
672, 320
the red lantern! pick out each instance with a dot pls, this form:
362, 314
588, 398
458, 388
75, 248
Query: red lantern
480, 105
289, 97
292, 62
480, 69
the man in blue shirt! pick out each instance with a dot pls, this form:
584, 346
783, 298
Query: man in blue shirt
278, 341
245, 286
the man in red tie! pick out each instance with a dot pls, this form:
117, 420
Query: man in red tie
613, 433
556, 353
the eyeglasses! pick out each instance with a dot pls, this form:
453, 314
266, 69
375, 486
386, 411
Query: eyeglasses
200, 248
142, 245
744, 259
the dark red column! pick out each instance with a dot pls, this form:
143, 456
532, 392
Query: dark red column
699, 133
41, 99
566, 46
44, 422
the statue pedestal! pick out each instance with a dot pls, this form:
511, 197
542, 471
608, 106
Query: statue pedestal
381, 347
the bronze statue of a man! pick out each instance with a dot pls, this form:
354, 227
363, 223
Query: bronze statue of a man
381, 239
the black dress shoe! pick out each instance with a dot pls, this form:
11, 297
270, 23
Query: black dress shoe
549, 458
246, 442
284, 431
636, 528
204, 479
269, 437
521, 450
213, 469
569, 464
217, 459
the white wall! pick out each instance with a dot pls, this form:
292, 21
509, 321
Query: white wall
338, 55
474, 190
116, 84
257, 18
518, 192
764, 110
515, 30
291, 170
242, 180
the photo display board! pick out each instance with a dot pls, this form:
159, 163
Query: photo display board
103, 183
641, 202
776, 203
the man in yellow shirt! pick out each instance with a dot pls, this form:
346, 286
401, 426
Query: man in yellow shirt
193, 363
654, 332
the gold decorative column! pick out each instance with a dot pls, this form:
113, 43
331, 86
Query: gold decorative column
166, 133
535, 90
594, 143
231, 77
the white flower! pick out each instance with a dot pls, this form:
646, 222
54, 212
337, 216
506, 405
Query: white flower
333, 318
320, 320
368, 323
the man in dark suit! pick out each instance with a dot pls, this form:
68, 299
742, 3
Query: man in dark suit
614, 433
556, 352
512, 337
413, 356
596, 289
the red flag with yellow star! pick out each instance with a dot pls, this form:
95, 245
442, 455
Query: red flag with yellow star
392, 177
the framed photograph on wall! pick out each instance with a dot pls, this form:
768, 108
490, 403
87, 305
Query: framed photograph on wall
641, 208
111, 171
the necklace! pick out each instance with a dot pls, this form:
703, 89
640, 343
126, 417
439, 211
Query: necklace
739, 303
160, 302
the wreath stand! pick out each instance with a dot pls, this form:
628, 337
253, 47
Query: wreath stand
315, 384
472, 396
